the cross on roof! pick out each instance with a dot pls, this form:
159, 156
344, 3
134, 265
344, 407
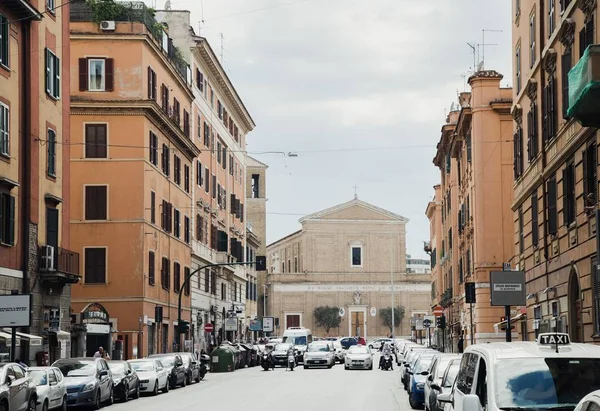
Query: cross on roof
355, 191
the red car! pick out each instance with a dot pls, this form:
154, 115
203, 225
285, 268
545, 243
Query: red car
362, 341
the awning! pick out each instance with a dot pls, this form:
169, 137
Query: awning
517, 318
8, 337
34, 340
61, 335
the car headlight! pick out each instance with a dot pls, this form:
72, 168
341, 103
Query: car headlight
89, 386
420, 385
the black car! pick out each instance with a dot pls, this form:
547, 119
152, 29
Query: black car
174, 365
191, 365
125, 380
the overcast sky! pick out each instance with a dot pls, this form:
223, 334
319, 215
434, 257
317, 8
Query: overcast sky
358, 88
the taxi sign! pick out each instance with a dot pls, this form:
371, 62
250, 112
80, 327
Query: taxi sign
554, 339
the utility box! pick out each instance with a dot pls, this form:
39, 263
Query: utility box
222, 360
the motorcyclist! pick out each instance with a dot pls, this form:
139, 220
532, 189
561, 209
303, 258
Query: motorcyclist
269, 351
385, 350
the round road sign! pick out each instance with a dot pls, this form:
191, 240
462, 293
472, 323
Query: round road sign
438, 311
208, 328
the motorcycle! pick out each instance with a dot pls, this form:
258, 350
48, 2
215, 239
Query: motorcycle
266, 361
204, 362
291, 361
387, 362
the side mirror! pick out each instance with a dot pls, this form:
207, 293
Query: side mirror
471, 402
436, 387
430, 378
425, 373
103, 373
410, 372
446, 398
128, 371
179, 363
9, 379
194, 362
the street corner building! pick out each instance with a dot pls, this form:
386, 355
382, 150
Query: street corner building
556, 116
471, 232
159, 187
346, 257
35, 256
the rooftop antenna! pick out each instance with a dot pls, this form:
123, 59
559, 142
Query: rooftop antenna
201, 22
473, 47
483, 42
355, 192
222, 50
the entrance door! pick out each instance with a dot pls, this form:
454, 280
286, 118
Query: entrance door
357, 323
95, 341
575, 323
292, 320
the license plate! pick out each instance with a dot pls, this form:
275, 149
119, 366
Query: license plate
320, 362
71, 397
357, 361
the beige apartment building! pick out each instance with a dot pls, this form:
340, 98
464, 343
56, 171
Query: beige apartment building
346, 257
434, 215
475, 159
556, 170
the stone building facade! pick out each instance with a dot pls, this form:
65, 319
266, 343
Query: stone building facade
345, 256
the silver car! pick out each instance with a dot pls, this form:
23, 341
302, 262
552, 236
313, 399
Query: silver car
50, 386
358, 356
319, 353
17, 390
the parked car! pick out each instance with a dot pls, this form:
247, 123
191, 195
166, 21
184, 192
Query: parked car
340, 353
192, 367
444, 386
358, 356
125, 380
348, 342
153, 375
319, 353
88, 381
418, 377
50, 387
280, 353
375, 345
17, 389
175, 369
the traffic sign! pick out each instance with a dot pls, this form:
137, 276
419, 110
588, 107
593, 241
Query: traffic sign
208, 328
438, 311
428, 321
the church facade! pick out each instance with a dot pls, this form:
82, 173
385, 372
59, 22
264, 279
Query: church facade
350, 257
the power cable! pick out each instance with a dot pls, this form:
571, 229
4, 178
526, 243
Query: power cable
41, 13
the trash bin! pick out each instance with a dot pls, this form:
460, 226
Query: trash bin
222, 359
243, 355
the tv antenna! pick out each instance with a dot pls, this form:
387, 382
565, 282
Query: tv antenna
483, 43
222, 50
201, 22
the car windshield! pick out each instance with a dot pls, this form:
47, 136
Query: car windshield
168, 361
117, 368
358, 349
76, 368
349, 342
546, 382
296, 340
451, 375
142, 366
318, 348
423, 364
282, 347
39, 377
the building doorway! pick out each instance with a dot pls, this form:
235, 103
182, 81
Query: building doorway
357, 325
575, 323
292, 320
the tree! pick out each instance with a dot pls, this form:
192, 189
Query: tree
327, 317
386, 316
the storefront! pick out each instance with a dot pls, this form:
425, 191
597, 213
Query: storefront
96, 320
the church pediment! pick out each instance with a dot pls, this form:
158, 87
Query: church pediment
355, 210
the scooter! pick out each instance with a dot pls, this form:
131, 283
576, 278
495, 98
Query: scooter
266, 362
387, 362
204, 362
291, 361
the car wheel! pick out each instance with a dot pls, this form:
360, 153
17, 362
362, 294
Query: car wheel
189, 379
346, 367
31, 405
3, 406
97, 403
167, 387
126, 394
64, 404
412, 402
306, 367
184, 382
111, 397
371, 366
330, 365
45, 406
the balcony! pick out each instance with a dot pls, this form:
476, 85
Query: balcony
427, 246
58, 266
584, 88
446, 299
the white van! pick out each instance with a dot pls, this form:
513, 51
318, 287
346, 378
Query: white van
550, 373
300, 337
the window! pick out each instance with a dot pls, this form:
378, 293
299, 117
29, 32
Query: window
214, 186
220, 110
213, 282
52, 74
469, 147
199, 173
532, 132
356, 255
177, 224
566, 63
186, 227
4, 40
95, 141
166, 216
151, 273
164, 93
165, 273
224, 158
231, 165
176, 115
596, 293
186, 123
532, 40
96, 202
176, 277
95, 265
219, 152
535, 233
206, 134
177, 170
152, 207
199, 228
564, 4
466, 373
586, 36
551, 18
517, 7
152, 86
51, 144
199, 125
7, 219
549, 110
153, 155
186, 274
568, 186
518, 153
166, 160
448, 163
590, 181
518, 68
200, 81
206, 280
521, 236
186, 178
96, 74
552, 210
206, 180
4, 128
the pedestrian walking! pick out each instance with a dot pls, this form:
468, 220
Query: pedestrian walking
101, 353
461, 344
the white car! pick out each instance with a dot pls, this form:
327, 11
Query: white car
153, 375
340, 353
375, 345
50, 387
358, 356
319, 353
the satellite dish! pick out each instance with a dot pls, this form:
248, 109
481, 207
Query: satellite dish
480, 66
168, 5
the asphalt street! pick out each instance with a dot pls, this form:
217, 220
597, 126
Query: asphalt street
253, 389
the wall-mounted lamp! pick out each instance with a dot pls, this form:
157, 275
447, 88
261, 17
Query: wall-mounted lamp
532, 296
550, 289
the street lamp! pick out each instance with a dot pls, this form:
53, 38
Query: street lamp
265, 286
392, 284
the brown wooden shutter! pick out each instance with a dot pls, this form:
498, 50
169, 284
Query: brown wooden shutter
101, 141
150, 87
109, 72
83, 74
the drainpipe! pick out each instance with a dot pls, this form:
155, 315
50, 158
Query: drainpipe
25, 189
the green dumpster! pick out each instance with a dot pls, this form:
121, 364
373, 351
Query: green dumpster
222, 360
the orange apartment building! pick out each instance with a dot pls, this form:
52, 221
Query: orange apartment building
556, 168
132, 161
434, 215
222, 123
34, 173
475, 159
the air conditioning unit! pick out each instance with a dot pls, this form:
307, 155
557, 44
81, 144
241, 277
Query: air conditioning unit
48, 258
107, 25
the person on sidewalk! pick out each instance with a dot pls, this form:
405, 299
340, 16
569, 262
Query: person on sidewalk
101, 353
461, 344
